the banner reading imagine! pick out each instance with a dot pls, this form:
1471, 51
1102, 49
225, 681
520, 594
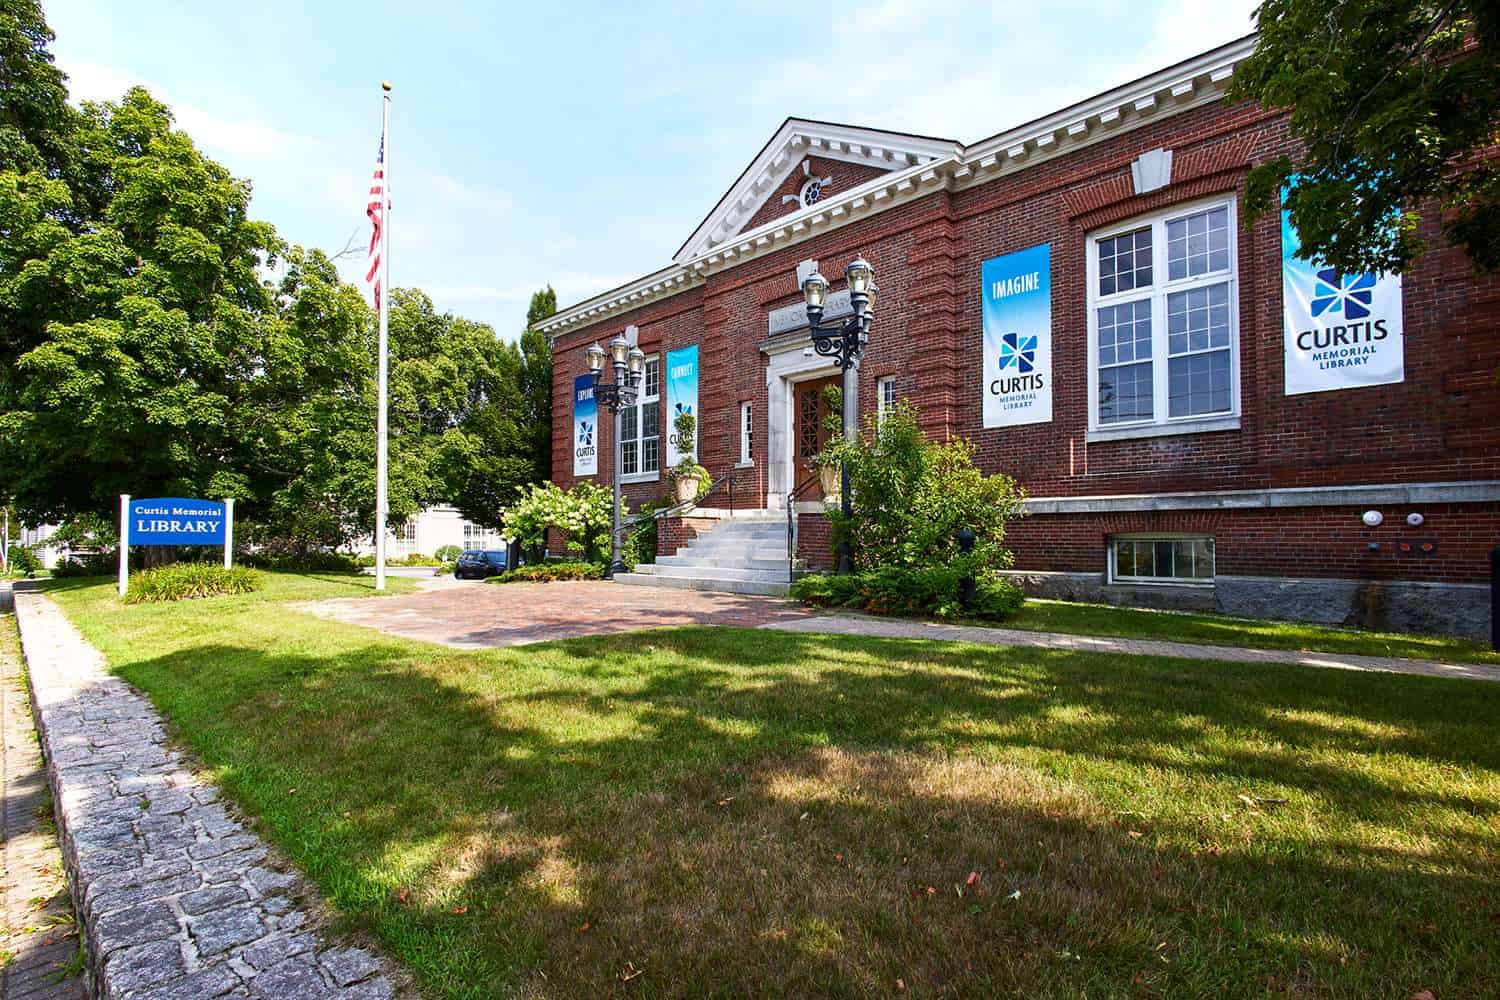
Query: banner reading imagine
1017, 319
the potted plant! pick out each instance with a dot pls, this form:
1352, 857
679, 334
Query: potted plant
689, 478
830, 466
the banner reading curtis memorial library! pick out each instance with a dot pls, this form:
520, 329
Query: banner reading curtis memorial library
1343, 331
585, 427
1017, 320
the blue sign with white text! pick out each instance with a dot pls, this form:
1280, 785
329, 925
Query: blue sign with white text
1017, 322
176, 521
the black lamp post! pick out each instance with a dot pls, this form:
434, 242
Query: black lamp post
629, 364
844, 342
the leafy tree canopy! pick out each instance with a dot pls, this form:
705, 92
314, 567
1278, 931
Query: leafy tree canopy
1394, 102
148, 346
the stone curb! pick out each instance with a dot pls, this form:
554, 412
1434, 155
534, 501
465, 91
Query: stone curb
175, 897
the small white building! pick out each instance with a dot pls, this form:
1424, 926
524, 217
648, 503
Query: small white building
432, 528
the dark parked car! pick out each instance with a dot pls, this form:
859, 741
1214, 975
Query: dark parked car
476, 564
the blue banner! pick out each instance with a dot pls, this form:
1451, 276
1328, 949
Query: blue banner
585, 427
176, 521
1017, 318
682, 397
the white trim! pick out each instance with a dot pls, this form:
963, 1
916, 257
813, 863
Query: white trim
793, 142
881, 406
1374, 494
951, 166
1161, 422
747, 434
640, 436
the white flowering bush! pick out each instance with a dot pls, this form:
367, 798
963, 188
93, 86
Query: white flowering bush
583, 514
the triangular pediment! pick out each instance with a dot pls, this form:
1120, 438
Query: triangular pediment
804, 162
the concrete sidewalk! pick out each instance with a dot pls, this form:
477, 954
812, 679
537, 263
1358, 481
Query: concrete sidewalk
898, 628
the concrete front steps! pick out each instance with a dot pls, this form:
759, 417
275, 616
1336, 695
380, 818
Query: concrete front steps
745, 554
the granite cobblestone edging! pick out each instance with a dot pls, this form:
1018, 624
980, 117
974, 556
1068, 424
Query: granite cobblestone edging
175, 897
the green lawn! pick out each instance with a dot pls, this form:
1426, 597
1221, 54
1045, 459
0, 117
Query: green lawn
1136, 623
713, 811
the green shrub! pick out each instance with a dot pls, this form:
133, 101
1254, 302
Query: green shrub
89, 564
415, 559
910, 497
547, 572
584, 515
188, 580
925, 592
304, 562
640, 541
23, 560
449, 553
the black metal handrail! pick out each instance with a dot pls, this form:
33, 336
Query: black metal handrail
792, 523
726, 483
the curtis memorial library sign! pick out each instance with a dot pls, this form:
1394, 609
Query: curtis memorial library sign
1201, 419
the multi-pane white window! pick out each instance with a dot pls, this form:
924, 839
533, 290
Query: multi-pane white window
747, 433
640, 428
404, 539
476, 537
885, 396
1163, 329
1161, 560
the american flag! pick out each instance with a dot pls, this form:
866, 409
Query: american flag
376, 209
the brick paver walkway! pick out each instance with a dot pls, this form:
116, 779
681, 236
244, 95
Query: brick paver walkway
181, 899
896, 628
475, 615
40, 939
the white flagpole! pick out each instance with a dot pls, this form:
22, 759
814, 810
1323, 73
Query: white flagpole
381, 502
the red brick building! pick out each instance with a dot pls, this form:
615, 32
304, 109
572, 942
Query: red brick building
1198, 448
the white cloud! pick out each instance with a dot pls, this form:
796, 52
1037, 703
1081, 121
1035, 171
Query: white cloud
232, 138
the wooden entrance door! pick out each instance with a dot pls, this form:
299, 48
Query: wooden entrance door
810, 419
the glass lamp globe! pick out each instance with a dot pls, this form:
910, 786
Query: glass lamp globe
619, 350
815, 290
595, 356
637, 361
860, 276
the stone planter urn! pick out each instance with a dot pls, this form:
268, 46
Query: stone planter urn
687, 487
831, 478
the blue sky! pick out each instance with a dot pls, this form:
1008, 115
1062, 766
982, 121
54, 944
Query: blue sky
580, 144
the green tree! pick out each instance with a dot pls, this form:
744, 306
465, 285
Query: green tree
536, 384
35, 121
1394, 103
133, 339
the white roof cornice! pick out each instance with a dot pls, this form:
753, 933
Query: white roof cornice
1186, 85
941, 165
796, 139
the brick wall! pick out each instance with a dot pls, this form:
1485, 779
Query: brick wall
1441, 423
815, 542
672, 533
1327, 542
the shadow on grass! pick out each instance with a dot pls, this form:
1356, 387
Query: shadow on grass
731, 812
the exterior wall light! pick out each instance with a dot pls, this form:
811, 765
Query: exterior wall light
619, 349
629, 364
1372, 518
815, 294
1415, 520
